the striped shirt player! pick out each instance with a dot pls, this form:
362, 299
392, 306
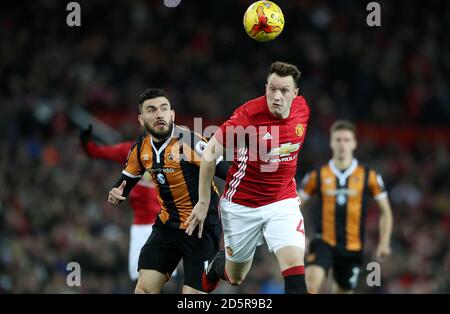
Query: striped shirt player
171, 155
343, 196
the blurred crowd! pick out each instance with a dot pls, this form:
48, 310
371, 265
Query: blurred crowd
53, 206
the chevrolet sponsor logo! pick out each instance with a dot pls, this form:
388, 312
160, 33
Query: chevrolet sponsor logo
284, 150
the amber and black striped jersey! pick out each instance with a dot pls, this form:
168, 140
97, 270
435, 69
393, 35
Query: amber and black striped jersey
343, 196
174, 167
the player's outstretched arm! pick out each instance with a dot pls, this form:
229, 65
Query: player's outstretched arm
385, 224
117, 152
207, 170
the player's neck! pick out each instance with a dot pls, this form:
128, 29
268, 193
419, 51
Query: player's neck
342, 164
157, 140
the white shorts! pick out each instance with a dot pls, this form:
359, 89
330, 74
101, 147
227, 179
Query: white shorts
244, 228
138, 236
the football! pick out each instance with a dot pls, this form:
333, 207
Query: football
263, 21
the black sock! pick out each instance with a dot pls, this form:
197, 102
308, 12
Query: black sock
295, 284
294, 280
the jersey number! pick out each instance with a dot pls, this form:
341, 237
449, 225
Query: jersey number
300, 227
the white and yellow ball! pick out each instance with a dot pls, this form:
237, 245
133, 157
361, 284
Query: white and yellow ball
263, 21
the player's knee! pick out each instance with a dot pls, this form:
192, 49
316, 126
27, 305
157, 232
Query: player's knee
235, 278
235, 281
139, 290
142, 289
290, 256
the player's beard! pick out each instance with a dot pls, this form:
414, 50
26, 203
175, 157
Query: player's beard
160, 135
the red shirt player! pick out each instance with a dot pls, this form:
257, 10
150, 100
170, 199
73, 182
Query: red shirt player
263, 139
143, 197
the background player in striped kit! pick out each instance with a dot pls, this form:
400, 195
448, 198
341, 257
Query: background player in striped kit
343, 186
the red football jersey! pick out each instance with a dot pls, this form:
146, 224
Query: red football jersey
265, 162
143, 198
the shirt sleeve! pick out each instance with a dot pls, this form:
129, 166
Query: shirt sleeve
376, 185
222, 168
308, 186
133, 168
117, 152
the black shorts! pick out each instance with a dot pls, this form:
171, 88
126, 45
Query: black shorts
166, 246
346, 264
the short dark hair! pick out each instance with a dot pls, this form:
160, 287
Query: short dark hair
343, 125
151, 93
284, 69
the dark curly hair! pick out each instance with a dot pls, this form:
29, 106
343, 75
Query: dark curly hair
151, 93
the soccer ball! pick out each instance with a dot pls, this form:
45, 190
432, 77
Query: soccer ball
263, 20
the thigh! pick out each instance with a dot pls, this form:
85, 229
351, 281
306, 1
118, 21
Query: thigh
197, 253
320, 254
150, 281
159, 252
284, 225
242, 230
347, 268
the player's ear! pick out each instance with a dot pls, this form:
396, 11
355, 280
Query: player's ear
141, 120
296, 91
331, 141
173, 114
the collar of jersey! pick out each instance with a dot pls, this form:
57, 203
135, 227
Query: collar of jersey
342, 176
163, 146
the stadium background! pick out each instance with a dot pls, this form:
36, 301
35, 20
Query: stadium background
391, 80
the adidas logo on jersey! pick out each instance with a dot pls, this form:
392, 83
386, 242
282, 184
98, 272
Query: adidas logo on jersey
267, 136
